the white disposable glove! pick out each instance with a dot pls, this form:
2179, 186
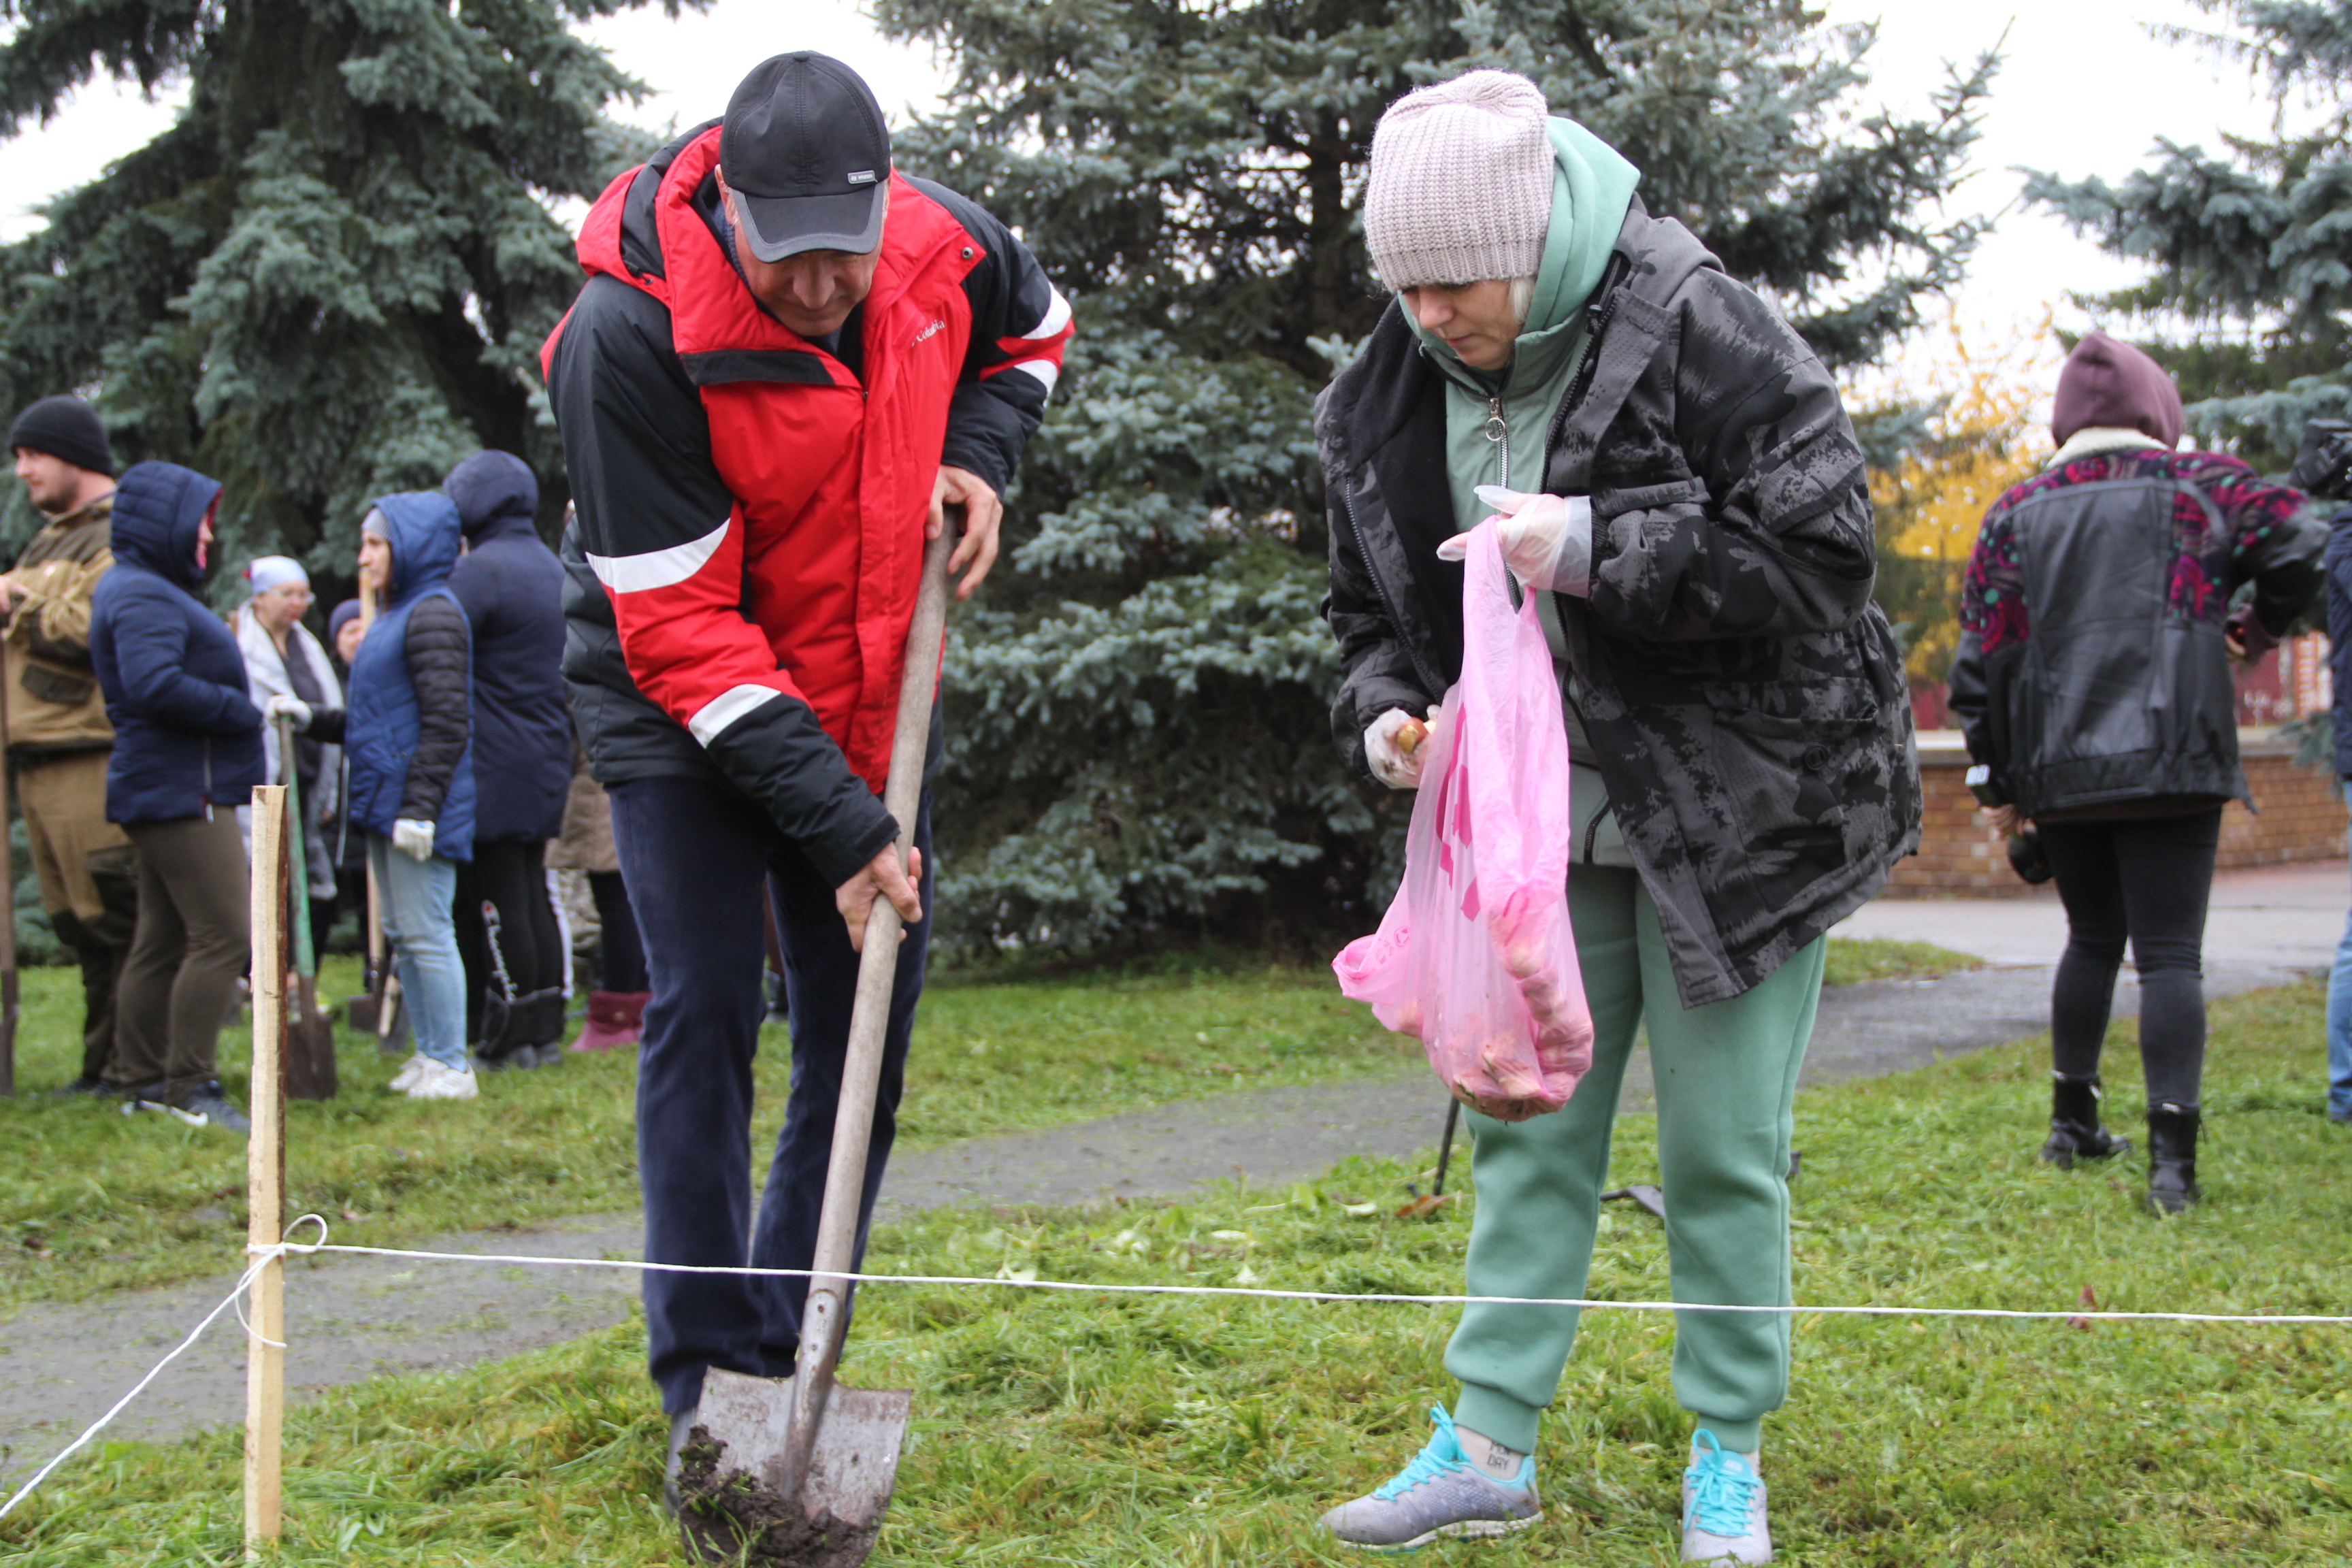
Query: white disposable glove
414, 839
292, 708
1547, 540
1395, 744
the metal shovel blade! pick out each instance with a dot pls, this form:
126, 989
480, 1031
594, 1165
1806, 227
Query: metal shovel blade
736, 1502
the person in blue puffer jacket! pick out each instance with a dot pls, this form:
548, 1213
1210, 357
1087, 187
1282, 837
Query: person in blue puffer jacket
188, 752
407, 730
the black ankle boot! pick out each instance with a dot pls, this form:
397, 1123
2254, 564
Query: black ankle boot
2074, 1130
2172, 1157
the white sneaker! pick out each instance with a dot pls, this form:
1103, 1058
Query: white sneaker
434, 1081
405, 1078
1723, 1505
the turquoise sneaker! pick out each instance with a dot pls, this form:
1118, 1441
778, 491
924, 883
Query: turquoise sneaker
1723, 1506
1440, 1493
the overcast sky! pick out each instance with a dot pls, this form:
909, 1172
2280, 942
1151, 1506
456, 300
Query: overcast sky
2086, 90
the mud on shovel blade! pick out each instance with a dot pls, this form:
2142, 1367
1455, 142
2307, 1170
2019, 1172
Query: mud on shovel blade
798, 1470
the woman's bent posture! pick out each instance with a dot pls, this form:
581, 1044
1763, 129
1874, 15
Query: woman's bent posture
1690, 502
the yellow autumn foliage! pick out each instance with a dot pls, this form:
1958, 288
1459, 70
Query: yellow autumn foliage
1982, 438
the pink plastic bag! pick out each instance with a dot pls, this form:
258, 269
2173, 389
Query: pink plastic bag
1475, 957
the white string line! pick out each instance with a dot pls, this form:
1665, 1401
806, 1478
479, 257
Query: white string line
262, 1258
1380, 1298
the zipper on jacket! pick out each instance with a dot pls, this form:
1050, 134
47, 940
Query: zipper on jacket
1364, 550
208, 778
1498, 431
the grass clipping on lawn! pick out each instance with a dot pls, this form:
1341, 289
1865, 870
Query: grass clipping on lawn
1137, 1433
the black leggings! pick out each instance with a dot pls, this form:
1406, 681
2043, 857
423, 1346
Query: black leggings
2147, 879
512, 876
620, 954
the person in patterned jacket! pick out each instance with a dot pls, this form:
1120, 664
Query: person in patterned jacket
1681, 490
2093, 678
788, 359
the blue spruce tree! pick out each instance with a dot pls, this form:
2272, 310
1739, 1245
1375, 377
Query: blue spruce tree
1139, 705
2246, 248
331, 275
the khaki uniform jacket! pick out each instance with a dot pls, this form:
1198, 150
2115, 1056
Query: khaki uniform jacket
54, 703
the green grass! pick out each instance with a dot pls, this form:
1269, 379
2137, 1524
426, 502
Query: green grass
92, 1201
1135, 1434
1882, 958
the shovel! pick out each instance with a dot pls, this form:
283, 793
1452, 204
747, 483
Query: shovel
310, 1054
804, 1465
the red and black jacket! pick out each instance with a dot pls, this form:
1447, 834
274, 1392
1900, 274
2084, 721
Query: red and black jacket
750, 504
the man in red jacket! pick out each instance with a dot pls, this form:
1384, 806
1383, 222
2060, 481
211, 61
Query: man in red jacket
787, 360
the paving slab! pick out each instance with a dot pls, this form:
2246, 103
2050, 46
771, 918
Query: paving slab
353, 1318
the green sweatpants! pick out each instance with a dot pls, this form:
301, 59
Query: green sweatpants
1727, 1078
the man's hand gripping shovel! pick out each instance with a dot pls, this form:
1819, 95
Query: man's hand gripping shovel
798, 1470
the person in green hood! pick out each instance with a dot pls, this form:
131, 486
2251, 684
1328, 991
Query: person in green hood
1669, 471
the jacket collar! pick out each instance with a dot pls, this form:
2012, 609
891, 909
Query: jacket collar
2097, 439
99, 510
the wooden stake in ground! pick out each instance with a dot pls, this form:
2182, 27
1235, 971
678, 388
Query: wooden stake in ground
265, 1175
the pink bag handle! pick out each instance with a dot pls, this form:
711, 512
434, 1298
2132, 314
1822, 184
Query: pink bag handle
1513, 725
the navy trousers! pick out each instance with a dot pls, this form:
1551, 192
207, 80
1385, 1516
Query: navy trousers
697, 859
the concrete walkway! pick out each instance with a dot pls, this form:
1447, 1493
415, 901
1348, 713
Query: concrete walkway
2284, 917
352, 1317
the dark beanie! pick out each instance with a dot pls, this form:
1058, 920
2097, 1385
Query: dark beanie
64, 427
2108, 385
489, 486
342, 616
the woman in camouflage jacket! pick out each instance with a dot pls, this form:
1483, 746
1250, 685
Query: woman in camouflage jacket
1738, 721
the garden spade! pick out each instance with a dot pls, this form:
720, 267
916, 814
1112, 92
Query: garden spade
804, 1466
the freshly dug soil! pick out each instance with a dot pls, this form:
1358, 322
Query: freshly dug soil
733, 1518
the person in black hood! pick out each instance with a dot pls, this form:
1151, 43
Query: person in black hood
188, 752
511, 587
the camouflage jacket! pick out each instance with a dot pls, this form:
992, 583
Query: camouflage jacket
1744, 697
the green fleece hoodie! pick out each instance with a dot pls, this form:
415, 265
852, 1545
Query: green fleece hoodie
1495, 424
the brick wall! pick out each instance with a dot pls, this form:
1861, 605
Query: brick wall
2301, 819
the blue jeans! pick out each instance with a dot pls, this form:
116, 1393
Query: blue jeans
420, 922
697, 860
2340, 1028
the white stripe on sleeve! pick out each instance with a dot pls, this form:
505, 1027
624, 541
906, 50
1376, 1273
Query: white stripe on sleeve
723, 710
657, 568
1057, 316
1045, 371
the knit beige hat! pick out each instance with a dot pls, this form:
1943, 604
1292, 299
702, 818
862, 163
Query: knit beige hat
1461, 183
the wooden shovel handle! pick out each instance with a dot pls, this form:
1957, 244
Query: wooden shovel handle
825, 1316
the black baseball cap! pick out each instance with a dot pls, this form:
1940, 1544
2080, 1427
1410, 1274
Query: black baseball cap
805, 149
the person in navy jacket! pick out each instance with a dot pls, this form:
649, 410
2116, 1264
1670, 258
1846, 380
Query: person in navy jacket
2323, 471
188, 752
512, 588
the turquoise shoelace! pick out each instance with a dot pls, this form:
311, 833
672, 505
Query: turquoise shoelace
1723, 1489
1429, 1464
